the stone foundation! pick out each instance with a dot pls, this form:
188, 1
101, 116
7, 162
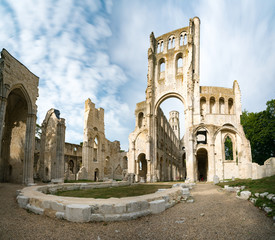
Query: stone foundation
38, 200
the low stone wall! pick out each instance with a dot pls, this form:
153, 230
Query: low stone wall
266, 170
37, 200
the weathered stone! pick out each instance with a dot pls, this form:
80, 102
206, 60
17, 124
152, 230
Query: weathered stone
78, 213
216, 179
35, 210
60, 215
263, 194
267, 209
157, 206
22, 201
270, 196
244, 195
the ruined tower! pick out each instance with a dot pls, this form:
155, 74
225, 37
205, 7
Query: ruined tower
174, 122
212, 117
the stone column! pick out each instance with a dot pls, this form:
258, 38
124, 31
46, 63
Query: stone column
58, 169
29, 149
3, 105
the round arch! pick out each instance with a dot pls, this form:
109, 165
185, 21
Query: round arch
166, 96
202, 164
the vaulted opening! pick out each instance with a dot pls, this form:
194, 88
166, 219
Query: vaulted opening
202, 164
13, 142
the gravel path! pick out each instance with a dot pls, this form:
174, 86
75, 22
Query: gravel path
214, 215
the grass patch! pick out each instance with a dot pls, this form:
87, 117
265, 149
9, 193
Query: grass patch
259, 185
116, 192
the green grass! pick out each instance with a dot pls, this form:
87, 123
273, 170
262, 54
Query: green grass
116, 192
257, 186
260, 185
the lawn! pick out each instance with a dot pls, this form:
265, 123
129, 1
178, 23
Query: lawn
116, 192
259, 185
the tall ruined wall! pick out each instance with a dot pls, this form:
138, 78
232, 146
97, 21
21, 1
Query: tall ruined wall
18, 94
102, 159
52, 147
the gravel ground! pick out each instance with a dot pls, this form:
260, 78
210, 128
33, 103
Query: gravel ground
214, 215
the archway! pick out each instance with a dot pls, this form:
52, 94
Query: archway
96, 176
142, 163
202, 164
14, 137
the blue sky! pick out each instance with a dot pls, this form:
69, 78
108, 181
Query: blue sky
98, 50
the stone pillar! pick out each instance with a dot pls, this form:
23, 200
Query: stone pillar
211, 161
58, 168
29, 149
3, 105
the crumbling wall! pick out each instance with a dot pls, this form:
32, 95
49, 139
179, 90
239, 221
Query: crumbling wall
52, 147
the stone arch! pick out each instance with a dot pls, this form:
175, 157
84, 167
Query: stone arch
221, 106
202, 164
15, 137
228, 147
96, 148
166, 96
230, 106
179, 63
171, 42
203, 106
125, 162
142, 163
140, 119
212, 105
96, 175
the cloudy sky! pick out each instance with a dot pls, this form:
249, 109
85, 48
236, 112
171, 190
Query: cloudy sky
98, 50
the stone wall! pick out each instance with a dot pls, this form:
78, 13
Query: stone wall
52, 147
102, 159
18, 94
266, 170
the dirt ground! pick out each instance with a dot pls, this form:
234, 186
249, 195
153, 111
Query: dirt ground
215, 214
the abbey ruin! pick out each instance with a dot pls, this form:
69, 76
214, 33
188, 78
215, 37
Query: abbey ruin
213, 148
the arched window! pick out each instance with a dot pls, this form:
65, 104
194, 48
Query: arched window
203, 106
179, 63
95, 149
162, 67
212, 105
230, 106
228, 148
160, 46
171, 42
185, 40
140, 119
125, 162
221, 105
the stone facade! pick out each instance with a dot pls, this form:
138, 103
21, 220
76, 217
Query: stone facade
214, 143
73, 160
102, 159
52, 147
18, 94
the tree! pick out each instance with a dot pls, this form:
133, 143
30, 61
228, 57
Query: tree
259, 129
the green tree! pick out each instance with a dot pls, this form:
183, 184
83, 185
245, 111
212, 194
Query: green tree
228, 149
259, 129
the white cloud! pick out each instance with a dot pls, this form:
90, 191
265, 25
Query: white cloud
98, 50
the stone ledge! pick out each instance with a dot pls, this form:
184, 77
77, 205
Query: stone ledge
89, 209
